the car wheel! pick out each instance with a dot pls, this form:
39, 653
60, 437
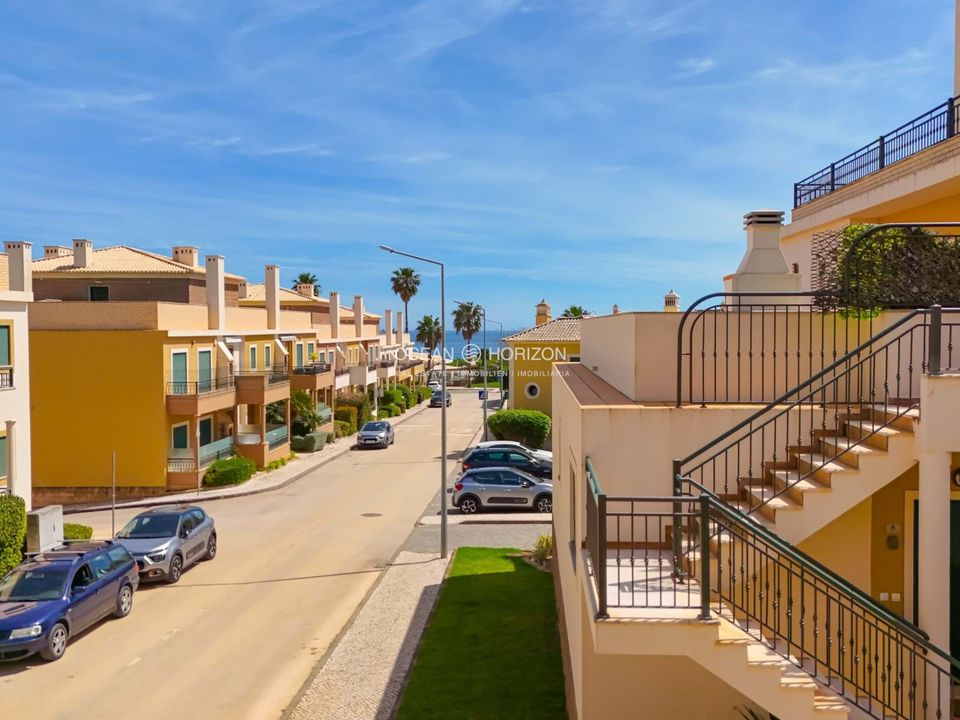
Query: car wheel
176, 569
469, 505
211, 547
544, 504
56, 643
124, 602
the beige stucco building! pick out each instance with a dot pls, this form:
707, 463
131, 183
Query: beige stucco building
804, 571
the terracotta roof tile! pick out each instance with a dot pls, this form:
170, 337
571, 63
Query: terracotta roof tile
559, 330
119, 260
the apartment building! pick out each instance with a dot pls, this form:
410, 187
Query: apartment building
15, 294
756, 505
165, 367
532, 354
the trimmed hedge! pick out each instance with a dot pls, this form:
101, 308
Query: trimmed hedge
229, 471
390, 411
531, 427
396, 398
425, 393
408, 396
13, 531
311, 442
341, 428
347, 414
361, 402
76, 531
330, 437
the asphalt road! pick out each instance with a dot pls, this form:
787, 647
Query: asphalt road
237, 637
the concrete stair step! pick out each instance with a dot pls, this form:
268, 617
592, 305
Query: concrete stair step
821, 463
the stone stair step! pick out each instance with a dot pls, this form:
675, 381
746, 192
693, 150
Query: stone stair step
824, 464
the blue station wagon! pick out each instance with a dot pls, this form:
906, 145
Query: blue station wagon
54, 595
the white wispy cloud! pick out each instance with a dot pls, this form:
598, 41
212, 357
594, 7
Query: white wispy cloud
691, 67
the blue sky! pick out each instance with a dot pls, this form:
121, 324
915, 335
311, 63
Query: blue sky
587, 151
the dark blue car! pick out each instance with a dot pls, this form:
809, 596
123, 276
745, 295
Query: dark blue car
52, 596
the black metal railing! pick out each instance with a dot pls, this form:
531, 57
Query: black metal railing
828, 416
317, 368
725, 565
934, 126
750, 347
199, 387
6, 376
388, 363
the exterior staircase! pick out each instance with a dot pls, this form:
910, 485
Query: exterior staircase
845, 466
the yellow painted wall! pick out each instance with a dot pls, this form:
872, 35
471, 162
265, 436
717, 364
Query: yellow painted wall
531, 364
94, 392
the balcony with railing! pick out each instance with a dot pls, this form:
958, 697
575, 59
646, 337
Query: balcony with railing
6, 377
315, 376
933, 127
363, 374
182, 465
198, 397
261, 387
387, 369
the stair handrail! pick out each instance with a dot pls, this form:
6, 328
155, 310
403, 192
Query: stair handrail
824, 573
807, 383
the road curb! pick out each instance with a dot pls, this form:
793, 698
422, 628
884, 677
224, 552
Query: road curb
162, 500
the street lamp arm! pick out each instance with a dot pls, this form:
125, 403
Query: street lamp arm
394, 251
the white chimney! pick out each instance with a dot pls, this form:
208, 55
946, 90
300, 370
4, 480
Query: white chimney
242, 290
216, 304
20, 264
306, 289
186, 255
671, 302
763, 268
334, 314
82, 252
271, 290
50, 251
388, 326
616, 309
399, 327
358, 314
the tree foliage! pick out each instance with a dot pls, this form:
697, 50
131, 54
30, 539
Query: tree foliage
405, 282
306, 278
467, 320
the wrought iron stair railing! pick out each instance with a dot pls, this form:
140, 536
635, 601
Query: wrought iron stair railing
876, 383
721, 563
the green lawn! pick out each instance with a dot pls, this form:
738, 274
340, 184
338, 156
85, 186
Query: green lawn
491, 649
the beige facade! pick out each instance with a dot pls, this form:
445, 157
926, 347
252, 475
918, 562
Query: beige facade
811, 436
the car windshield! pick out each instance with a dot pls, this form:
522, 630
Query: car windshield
150, 526
375, 426
39, 582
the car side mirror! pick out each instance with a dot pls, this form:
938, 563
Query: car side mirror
184, 533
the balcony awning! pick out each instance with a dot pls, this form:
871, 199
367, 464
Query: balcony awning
288, 338
225, 350
283, 348
233, 340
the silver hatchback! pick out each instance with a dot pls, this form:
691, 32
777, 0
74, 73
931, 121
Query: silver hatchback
166, 540
501, 487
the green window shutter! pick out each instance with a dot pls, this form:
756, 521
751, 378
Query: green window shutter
299, 354
181, 437
266, 356
4, 345
3, 457
253, 357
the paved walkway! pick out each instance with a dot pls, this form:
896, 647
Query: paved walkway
262, 481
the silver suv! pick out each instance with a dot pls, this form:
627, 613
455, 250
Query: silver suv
168, 539
501, 487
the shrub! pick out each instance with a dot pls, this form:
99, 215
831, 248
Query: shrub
13, 530
408, 394
396, 398
361, 402
425, 393
385, 411
76, 531
331, 437
542, 550
341, 428
347, 414
229, 471
530, 427
392, 409
311, 442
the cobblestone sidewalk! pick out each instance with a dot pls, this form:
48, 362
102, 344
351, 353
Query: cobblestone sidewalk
363, 676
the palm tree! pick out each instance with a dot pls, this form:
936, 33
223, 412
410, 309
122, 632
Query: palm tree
305, 278
405, 283
428, 335
575, 311
467, 320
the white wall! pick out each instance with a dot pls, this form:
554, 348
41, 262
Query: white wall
15, 402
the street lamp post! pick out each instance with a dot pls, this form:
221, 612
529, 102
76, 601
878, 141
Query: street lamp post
443, 390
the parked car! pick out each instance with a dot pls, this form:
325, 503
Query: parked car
166, 540
512, 445
54, 595
491, 487
434, 385
436, 400
376, 433
518, 459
